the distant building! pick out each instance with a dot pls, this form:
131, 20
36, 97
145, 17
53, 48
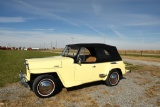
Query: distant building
35, 48
29, 49
17, 48
8, 48
13, 48
25, 49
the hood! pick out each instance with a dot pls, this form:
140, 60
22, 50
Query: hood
47, 63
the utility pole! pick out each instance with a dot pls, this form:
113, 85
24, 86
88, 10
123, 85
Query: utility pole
51, 45
72, 39
56, 43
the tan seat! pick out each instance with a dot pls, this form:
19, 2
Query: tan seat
91, 59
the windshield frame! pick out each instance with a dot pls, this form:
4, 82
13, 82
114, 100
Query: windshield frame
69, 50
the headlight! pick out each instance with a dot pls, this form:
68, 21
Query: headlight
27, 66
25, 62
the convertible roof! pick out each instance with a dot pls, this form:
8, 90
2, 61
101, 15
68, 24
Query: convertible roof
91, 45
111, 49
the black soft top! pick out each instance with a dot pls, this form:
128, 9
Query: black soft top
111, 49
91, 45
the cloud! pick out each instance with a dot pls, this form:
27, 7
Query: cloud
142, 20
41, 38
11, 19
117, 32
95, 30
44, 13
97, 8
35, 38
145, 23
44, 29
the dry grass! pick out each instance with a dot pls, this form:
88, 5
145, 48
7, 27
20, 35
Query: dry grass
153, 91
105, 92
151, 71
158, 102
154, 71
152, 59
31, 100
153, 78
75, 96
142, 81
109, 105
132, 67
139, 51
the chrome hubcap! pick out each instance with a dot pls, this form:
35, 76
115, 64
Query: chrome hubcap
45, 87
114, 78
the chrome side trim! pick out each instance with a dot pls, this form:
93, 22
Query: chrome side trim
56, 66
102, 75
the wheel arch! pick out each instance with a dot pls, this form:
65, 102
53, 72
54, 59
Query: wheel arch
119, 71
54, 74
109, 81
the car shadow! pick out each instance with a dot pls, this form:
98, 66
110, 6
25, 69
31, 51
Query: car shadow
123, 78
85, 85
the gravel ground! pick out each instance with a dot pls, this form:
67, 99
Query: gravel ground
138, 89
139, 62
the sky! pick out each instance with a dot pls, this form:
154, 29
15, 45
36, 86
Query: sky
126, 24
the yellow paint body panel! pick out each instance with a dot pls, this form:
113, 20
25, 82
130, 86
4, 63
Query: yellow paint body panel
70, 73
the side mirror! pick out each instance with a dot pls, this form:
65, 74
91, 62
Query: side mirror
79, 61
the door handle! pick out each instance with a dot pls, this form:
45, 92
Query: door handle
113, 62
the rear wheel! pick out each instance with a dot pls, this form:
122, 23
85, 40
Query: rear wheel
113, 78
44, 86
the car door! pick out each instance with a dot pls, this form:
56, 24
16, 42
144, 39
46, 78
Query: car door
90, 71
85, 70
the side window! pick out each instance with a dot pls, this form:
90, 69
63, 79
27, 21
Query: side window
106, 52
84, 52
102, 55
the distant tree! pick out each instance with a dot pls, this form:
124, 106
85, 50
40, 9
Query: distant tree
19, 48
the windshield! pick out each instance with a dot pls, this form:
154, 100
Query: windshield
70, 51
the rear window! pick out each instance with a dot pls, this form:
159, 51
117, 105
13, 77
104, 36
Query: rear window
103, 55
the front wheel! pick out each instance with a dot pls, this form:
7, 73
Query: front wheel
44, 86
113, 78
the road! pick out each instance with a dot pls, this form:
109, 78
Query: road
139, 62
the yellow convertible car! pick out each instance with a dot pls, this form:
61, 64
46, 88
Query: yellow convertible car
78, 64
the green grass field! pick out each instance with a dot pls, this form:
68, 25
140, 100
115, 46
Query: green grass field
11, 62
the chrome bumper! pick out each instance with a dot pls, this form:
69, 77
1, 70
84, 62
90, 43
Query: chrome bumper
23, 79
